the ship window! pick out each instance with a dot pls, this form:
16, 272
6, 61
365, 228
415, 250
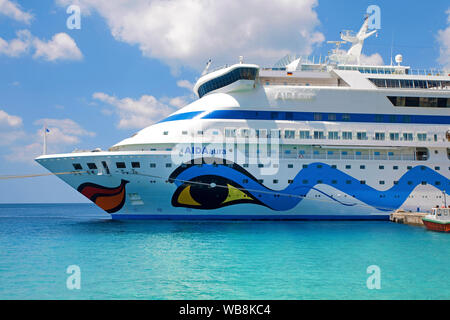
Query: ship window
135, 165
230, 133
363, 182
362, 167
382, 182
77, 166
319, 135
305, 166
305, 181
105, 166
261, 133
304, 135
241, 73
166, 133
152, 165
260, 165
448, 154
245, 181
184, 133
437, 168
361, 135
317, 117
346, 117
120, 165
420, 102
332, 117
380, 136
347, 135
275, 134
395, 168
348, 166
394, 136
333, 135
422, 154
379, 118
381, 167
290, 181
408, 137
245, 133
422, 136
289, 134
348, 182
168, 165
290, 166
275, 181
92, 166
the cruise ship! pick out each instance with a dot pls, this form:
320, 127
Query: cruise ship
307, 139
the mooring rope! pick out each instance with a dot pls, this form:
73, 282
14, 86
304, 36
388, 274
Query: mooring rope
10, 177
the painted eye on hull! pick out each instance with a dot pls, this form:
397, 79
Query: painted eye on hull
210, 192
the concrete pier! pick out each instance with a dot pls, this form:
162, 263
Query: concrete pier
411, 218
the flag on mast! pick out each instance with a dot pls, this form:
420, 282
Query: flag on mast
46, 130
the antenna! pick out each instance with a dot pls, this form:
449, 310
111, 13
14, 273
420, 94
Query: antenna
208, 64
45, 139
392, 49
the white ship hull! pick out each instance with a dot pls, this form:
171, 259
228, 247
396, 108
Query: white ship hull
154, 193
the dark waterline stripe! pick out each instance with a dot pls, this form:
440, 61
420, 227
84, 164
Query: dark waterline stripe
311, 116
252, 217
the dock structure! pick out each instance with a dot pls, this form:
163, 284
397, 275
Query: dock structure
411, 218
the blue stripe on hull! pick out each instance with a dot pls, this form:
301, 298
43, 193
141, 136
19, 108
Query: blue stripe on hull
311, 116
253, 217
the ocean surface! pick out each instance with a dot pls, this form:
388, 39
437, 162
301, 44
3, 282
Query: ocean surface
214, 260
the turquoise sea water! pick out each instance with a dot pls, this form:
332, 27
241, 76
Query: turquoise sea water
214, 260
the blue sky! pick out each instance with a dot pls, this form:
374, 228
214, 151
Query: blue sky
130, 65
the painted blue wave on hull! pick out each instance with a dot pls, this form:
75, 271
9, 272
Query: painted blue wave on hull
321, 173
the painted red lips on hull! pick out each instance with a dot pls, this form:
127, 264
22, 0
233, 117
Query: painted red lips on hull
109, 199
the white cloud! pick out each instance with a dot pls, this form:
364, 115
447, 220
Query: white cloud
13, 10
9, 120
60, 47
10, 128
443, 38
63, 133
136, 114
189, 32
372, 60
18, 46
185, 84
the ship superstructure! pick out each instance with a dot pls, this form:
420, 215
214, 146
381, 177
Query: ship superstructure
307, 139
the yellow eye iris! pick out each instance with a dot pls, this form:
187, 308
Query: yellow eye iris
186, 198
210, 194
235, 194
